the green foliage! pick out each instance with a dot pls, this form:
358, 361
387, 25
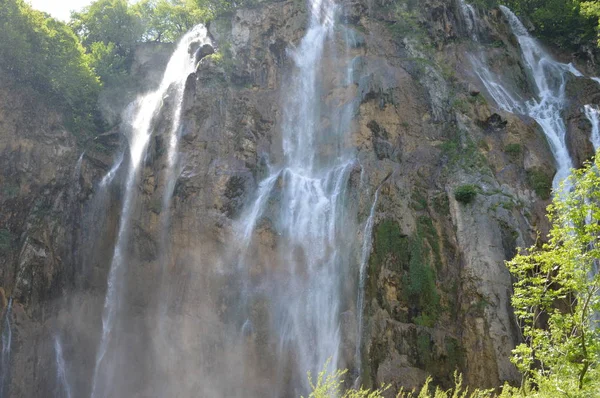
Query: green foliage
44, 53
591, 9
412, 257
560, 22
540, 182
419, 283
110, 30
389, 242
167, 20
5, 240
465, 193
330, 385
556, 294
513, 150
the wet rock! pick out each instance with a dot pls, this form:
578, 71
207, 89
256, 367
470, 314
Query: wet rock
204, 51
494, 123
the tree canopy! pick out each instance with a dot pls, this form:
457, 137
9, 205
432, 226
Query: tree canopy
40, 51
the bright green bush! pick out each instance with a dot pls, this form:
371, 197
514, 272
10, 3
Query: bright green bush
465, 193
556, 297
540, 182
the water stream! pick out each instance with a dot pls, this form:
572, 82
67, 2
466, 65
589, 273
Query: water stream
61, 370
140, 120
593, 115
306, 289
6, 348
548, 78
362, 276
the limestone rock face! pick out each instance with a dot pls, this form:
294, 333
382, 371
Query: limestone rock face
437, 291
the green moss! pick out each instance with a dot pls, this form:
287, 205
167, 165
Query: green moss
419, 200
441, 204
461, 152
477, 99
465, 193
460, 105
455, 354
540, 182
10, 190
410, 257
513, 149
421, 291
424, 349
390, 246
5, 240
426, 229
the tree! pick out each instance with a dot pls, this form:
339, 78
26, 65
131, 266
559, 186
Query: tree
560, 22
167, 20
108, 21
591, 9
556, 295
43, 53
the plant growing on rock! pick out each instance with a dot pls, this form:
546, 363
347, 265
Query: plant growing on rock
556, 297
465, 193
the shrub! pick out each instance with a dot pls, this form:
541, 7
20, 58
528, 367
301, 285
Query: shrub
465, 193
540, 182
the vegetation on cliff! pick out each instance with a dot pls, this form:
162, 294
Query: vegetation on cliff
557, 303
45, 54
69, 63
556, 294
565, 23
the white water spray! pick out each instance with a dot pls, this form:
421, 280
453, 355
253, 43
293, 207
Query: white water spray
550, 79
593, 116
180, 65
6, 348
305, 290
61, 369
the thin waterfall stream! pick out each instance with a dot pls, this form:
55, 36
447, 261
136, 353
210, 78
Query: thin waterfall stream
6, 348
549, 79
62, 377
362, 276
145, 109
593, 115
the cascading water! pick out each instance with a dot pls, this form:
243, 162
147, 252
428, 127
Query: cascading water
549, 79
140, 122
470, 16
305, 290
61, 371
6, 347
593, 116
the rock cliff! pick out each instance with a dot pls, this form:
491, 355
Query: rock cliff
423, 126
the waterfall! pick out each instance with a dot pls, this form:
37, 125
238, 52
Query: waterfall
61, 370
6, 347
139, 119
470, 16
593, 116
305, 292
364, 259
549, 79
